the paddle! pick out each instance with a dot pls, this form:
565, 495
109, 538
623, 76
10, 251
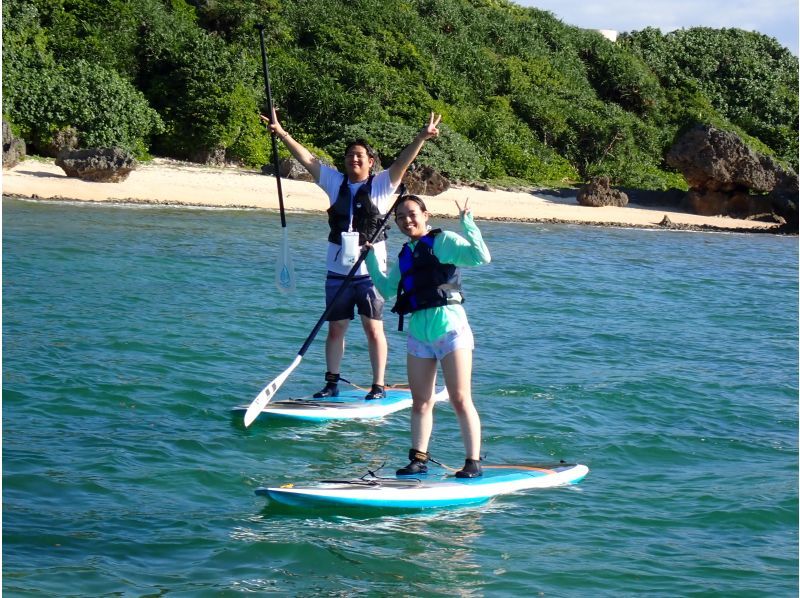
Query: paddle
284, 270
270, 389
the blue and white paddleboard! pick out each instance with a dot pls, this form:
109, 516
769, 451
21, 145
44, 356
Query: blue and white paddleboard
350, 404
431, 490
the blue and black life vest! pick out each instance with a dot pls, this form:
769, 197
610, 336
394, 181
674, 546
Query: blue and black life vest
425, 281
366, 216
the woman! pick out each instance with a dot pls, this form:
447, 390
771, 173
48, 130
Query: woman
427, 283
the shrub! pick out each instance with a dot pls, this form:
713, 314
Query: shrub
105, 109
514, 149
205, 94
523, 95
619, 76
450, 153
747, 77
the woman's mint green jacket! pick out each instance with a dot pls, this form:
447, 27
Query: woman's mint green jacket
427, 325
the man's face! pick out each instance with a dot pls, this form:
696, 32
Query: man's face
357, 163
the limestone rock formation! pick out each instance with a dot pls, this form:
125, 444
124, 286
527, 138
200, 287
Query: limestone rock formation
425, 180
13, 147
292, 169
598, 193
103, 165
727, 178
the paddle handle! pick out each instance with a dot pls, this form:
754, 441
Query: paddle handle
268, 88
351, 274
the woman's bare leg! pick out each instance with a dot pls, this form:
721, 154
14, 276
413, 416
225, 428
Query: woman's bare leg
422, 379
457, 369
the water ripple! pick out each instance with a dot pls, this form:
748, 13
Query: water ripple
667, 363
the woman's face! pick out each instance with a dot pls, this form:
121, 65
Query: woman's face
411, 220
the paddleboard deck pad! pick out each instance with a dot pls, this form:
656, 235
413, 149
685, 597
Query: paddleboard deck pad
428, 491
350, 404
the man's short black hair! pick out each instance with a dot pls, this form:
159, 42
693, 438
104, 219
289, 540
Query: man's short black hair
363, 143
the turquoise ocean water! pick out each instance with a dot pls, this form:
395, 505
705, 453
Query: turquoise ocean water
665, 361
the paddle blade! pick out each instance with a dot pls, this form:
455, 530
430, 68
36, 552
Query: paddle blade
269, 391
284, 269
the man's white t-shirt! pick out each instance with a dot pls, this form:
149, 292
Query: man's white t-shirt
330, 180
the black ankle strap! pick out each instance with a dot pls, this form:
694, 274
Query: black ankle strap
415, 455
332, 378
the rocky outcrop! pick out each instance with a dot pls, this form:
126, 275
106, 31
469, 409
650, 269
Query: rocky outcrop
717, 160
101, 165
63, 140
214, 156
727, 178
598, 193
292, 169
425, 180
13, 147
783, 199
666, 222
289, 168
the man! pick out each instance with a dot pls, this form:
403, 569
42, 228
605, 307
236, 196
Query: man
358, 199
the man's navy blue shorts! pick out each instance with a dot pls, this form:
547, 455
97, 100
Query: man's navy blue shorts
359, 293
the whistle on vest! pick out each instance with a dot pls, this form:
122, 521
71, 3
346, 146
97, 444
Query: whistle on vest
350, 248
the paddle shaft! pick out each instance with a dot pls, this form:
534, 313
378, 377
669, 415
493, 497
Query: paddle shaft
268, 88
350, 275
270, 389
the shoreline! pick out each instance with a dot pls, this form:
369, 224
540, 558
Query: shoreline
169, 183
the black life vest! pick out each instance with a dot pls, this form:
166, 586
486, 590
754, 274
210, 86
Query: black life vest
425, 281
366, 217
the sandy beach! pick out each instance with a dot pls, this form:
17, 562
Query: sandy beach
176, 183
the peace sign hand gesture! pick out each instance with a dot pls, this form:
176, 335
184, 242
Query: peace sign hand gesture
430, 130
465, 210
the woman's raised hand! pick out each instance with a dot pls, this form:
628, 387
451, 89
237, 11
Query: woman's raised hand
465, 210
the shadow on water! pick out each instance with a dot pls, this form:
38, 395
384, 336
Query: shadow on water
274, 509
659, 358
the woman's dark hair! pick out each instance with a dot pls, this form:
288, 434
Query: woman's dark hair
417, 200
363, 143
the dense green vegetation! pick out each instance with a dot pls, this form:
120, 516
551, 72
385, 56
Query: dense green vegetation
523, 95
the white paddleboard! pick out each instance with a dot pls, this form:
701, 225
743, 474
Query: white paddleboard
426, 491
350, 404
